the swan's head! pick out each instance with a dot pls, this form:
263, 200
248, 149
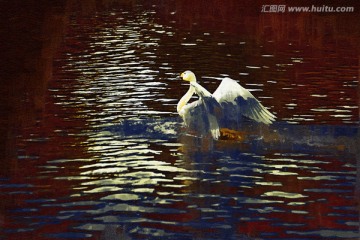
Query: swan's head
188, 76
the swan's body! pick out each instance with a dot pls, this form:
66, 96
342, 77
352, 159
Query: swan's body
226, 105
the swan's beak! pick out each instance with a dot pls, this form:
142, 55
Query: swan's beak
179, 77
182, 76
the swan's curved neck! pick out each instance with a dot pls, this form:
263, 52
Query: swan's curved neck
185, 99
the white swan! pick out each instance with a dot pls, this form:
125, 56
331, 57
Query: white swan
226, 105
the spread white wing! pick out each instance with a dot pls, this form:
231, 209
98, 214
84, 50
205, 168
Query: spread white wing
235, 100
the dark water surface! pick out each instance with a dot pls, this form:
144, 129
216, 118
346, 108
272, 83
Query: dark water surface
108, 158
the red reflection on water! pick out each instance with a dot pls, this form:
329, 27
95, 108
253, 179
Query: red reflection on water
316, 56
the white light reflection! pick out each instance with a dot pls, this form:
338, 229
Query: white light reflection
281, 194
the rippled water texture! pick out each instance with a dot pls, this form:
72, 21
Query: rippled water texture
110, 159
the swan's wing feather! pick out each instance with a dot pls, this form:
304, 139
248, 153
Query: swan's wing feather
235, 100
211, 107
198, 118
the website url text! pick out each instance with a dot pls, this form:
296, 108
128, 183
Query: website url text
310, 9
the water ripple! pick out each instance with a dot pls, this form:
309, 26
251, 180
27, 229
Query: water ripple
111, 155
